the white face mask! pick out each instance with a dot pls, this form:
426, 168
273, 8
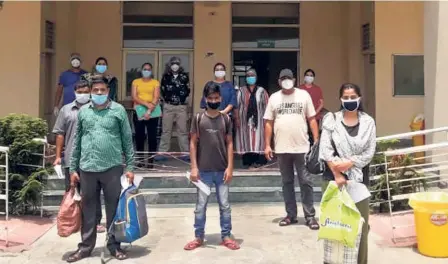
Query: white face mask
287, 84
220, 74
82, 98
76, 63
308, 79
174, 67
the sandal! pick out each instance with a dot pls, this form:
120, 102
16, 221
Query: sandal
230, 244
100, 229
287, 221
119, 254
76, 256
194, 244
312, 223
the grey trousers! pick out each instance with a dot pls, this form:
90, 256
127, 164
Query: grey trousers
286, 163
174, 114
92, 183
99, 213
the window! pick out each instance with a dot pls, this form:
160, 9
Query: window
408, 75
157, 24
265, 26
157, 37
265, 13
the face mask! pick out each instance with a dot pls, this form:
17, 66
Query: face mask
251, 80
146, 73
351, 105
101, 68
174, 67
76, 63
82, 98
220, 74
99, 99
309, 79
287, 84
213, 106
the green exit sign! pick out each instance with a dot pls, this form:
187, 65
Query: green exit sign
265, 44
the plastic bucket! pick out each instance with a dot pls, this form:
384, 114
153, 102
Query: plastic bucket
431, 222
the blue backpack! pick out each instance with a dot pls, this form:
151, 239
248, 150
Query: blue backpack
130, 222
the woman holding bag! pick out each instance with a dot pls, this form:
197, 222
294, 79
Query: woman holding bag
145, 95
347, 146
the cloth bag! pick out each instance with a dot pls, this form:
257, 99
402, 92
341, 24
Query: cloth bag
340, 226
69, 215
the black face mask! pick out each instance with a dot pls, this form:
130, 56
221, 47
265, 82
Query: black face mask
213, 106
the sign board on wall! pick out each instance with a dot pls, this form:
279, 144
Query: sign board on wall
265, 44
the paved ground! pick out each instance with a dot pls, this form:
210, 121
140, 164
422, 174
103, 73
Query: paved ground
255, 226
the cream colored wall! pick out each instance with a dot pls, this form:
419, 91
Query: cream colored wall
398, 29
212, 27
20, 57
98, 34
323, 46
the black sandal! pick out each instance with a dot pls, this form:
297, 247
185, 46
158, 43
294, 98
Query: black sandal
120, 255
312, 223
77, 256
288, 221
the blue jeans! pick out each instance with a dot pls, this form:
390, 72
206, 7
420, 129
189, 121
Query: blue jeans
222, 195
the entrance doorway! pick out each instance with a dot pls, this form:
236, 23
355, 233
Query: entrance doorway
134, 59
268, 65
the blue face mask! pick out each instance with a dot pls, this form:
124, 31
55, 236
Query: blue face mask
99, 99
251, 80
101, 68
351, 105
146, 74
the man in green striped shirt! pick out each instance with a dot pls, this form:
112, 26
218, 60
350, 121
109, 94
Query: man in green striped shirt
103, 136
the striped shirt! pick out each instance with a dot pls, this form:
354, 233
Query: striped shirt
66, 126
102, 137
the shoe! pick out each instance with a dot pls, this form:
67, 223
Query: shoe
160, 158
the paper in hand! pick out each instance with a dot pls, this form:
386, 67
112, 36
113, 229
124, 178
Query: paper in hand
58, 170
200, 184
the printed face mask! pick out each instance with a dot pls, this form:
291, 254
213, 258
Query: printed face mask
351, 104
287, 84
76, 63
309, 79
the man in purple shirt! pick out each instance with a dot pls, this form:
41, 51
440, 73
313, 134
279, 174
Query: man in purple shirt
67, 81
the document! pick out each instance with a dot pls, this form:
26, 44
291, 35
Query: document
201, 185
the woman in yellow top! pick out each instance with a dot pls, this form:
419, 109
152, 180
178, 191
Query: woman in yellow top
146, 92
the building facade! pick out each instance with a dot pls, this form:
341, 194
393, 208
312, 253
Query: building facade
379, 45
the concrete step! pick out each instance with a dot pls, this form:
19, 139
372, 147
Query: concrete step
165, 180
188, 195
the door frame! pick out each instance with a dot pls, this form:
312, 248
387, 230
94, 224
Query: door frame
158, 68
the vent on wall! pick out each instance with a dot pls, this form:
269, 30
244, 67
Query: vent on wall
365, 42
49, 35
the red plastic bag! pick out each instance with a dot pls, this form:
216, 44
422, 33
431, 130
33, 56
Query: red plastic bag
69, 216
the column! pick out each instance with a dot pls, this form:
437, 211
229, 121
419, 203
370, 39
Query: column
436, 66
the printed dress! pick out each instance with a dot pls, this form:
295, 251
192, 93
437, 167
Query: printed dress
250, 133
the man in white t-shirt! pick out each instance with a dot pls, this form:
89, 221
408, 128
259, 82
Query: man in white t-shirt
286, 116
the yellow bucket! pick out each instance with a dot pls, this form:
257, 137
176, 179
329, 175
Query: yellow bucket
431, 223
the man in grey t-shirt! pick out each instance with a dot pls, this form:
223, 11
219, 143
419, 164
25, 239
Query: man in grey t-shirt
211, 153
65, 128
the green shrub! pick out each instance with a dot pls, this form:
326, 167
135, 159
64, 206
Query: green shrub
17, 132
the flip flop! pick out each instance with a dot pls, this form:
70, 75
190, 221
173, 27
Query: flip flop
193, 244
230, 244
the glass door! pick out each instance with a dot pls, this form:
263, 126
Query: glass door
132, 64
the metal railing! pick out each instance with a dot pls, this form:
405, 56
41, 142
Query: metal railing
4, 181
408, 170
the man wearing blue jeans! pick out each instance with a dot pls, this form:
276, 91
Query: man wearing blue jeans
211, 153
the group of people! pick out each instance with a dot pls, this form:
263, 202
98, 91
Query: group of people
94, 134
